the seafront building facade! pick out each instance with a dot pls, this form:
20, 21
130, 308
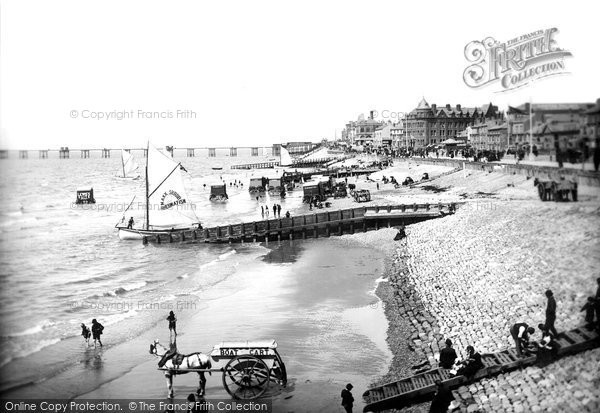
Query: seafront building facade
547, 125
566, 126
430, 125
362, 131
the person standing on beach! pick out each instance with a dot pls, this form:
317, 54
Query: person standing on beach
97, 330
347, 398
279, 210
172, 323
551, 313
262, 211
274, 210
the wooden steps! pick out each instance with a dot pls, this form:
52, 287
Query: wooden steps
421, 387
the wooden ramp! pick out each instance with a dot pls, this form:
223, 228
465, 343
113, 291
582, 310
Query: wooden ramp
421, 387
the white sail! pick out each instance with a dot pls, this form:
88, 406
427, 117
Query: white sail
168, 203
129, 165
285, 158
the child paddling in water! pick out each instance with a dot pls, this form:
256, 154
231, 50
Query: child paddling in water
172, 324
86, 333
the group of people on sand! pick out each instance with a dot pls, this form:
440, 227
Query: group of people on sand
97, 329
94, 333
545, 349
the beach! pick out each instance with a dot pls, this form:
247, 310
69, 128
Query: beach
315, 298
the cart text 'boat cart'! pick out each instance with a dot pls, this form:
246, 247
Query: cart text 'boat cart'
247, 367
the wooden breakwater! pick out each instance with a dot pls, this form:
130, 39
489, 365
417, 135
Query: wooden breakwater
259, 165
296, 164
314, 225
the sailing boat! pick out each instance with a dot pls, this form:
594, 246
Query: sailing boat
284, 157
168, 208
128, 166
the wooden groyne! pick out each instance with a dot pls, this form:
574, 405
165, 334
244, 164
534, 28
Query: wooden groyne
296, 164
318, 224
259, 165
421, 387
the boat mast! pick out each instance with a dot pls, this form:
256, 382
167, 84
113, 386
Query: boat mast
123, 162
147, 206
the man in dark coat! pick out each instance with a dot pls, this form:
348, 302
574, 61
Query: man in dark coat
471, 365
97, 329
520, 333
447, 355
442, 399
551, 313
347, 398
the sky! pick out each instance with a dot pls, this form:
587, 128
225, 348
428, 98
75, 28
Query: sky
249, 73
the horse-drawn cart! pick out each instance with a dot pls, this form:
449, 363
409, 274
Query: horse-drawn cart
247, 367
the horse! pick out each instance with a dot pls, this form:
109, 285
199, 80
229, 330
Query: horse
172, 361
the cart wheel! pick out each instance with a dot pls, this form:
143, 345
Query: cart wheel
279, 372
246, 377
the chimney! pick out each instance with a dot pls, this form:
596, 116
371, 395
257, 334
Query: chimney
458, 108
371, 115
434, 107
448, 106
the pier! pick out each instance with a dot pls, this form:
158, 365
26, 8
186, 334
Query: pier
85, 153
315, 225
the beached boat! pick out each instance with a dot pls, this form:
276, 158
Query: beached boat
421, 387
168, 208
129, 166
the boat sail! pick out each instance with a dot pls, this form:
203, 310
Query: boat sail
168, 207
284, 157
128, 166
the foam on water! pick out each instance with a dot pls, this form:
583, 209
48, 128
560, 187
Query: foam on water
37, 346
30, 331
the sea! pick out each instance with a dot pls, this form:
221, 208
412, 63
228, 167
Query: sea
63, 264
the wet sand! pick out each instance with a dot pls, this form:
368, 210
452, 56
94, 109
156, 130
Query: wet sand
316, 298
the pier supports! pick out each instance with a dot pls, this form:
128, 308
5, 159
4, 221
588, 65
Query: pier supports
63, 153
106, 153
254, 151
212, 152
85, 153
23, 154
190, 153
43, 154
232, 152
